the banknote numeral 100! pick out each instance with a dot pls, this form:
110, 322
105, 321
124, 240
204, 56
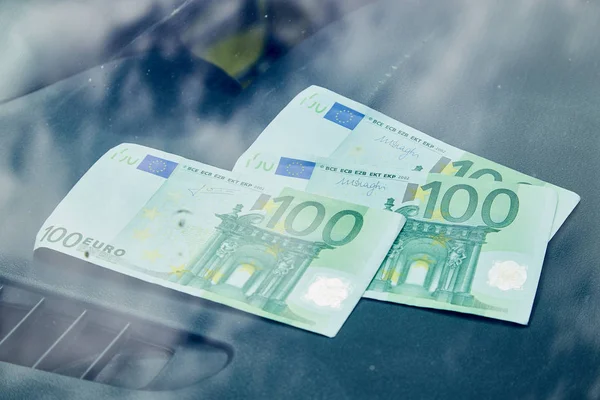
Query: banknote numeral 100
464, 166
486, 208
318, 219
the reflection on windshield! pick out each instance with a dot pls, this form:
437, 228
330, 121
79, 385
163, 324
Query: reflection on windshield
507, 81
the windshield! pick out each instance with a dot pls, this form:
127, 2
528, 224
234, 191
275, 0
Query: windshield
514, 83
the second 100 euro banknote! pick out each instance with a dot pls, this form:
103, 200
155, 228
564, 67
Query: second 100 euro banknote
320, 122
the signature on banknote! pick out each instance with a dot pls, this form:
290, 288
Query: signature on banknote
403, 150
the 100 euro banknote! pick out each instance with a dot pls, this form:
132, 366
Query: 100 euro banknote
320, 122
469, 245
294, 257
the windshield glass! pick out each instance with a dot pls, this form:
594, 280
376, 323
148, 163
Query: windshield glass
514, 83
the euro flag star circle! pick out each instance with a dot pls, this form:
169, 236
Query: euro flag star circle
293, 164
344, 117
157, 166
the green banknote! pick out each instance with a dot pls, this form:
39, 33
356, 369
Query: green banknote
326, 124
469, 245
291, 256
